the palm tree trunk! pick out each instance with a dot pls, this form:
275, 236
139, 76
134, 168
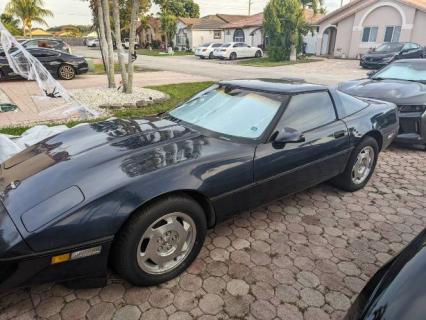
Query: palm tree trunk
120, 50
107, 20
103, 42
134, 15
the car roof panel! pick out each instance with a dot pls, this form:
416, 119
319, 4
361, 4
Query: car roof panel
274, 85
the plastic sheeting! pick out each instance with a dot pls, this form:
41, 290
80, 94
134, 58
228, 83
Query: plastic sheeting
12, 145
28, 67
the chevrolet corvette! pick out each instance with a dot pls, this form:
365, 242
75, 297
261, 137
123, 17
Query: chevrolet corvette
139, 194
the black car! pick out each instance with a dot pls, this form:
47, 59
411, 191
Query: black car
55, 44
403, 83
391, 51
61, 65
397, 291
140, 194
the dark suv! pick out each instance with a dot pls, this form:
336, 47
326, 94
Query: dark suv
389, 52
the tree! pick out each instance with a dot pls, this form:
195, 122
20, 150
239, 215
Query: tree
284, 25
316, 5
120, 50
134, 17
28, 11
11, 24
170, 10
110, 45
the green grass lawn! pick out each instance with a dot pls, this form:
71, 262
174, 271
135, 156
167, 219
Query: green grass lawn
178, 93
159, 53
266, 62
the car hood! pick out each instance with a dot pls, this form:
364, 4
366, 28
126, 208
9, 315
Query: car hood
73, 163
397, 291
397, 91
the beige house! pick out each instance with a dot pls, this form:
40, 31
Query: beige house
193, 32
250, 31
150, 32
360, 25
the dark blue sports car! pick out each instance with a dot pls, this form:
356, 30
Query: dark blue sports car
139, 194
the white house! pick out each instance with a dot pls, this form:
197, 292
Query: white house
360, 25
250, 31
193, 32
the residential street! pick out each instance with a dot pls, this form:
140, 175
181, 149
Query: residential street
328, 71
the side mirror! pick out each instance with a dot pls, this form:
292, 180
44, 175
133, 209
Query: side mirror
371, 74
289, 135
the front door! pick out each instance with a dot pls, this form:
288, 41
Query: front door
289, 168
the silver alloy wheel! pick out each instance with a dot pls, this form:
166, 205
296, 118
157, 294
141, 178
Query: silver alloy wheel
66, 72
363, 165
166, 243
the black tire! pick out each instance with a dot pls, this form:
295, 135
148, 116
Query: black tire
211, 56
66, 72
258, 54
345, 181
2, 76
233, 56
126, 244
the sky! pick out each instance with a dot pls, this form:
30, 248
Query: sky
77, 11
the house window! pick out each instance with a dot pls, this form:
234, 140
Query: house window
239, 35
218, 34
369, 34
392, 33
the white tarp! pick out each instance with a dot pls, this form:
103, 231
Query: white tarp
13, 145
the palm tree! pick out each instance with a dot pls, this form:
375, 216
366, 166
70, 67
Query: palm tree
28, 11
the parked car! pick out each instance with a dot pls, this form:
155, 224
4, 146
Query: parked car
391, 51
141, 193
237, 50
403, 82
60, 64
206, 50
55, 44
92, 43
397, 290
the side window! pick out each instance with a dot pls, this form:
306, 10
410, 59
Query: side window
308, 111
350, 105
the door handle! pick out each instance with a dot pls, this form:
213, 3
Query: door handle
339, 134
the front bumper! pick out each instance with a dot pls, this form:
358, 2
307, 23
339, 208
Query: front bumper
412, 129
373, 64
82, 68
38, 268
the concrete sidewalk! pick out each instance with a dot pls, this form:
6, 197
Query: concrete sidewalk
31, 110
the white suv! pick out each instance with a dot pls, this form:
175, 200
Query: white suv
206, 50
236, 50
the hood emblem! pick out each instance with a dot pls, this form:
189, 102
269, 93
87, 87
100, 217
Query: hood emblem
14, 184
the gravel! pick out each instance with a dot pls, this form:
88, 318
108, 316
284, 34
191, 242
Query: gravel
103, 98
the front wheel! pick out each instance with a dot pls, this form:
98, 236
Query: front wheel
159, 242
360, 166
66, 72
211, 56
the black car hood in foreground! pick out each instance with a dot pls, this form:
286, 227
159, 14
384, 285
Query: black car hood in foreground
101, 171
398, 290
399, 92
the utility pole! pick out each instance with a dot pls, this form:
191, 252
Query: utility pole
250, 3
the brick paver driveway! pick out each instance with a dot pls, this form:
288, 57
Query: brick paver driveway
303, 257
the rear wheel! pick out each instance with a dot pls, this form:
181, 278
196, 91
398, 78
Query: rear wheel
211, 55
360, 167
258, 54
66, 72
161, 241
233, 56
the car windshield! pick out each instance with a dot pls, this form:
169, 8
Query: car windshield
389, 47
206, 45
233, 112
410, 71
